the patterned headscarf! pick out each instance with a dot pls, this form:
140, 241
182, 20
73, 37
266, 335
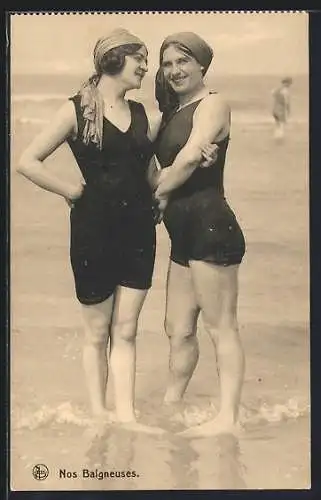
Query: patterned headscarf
92, 103
202, 52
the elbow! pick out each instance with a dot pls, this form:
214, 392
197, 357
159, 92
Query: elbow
23, 165
20, 168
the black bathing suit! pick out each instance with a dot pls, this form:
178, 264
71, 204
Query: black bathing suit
112, 228
200, 223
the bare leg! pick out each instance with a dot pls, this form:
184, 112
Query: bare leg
217, 290
97, 319
279, 130
180, 326
127, 307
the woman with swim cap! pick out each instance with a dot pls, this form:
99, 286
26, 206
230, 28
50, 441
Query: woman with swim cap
112, 244
207, 243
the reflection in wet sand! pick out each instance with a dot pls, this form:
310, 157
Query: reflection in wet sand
112, 450
142, 458
219, 463
169, 462
182, 464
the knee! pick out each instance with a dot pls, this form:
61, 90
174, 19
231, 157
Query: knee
223, 334
178, 332
97, 332
124, 331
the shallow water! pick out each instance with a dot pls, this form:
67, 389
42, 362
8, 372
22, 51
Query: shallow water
51, 425
267, 185
70, 447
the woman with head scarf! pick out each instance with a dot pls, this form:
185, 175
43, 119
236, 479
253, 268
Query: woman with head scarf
112, 245
207, 243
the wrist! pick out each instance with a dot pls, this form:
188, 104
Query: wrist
160, 195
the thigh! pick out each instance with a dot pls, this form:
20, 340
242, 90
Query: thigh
127, 306
182, 309
97, 319
216, 289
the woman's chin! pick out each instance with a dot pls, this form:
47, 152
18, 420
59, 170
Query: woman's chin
136, 86
182, 89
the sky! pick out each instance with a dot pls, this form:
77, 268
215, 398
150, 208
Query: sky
243, 43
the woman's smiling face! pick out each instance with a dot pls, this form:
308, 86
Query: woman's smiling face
181, 70
135, 68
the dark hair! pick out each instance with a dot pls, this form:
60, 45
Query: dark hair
288, 80
113, 61
183, 49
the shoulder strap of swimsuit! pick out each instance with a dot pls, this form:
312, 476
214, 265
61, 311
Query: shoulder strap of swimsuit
76, 99
139, 116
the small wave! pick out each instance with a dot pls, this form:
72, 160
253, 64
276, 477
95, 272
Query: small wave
65, 413
32, 121
245, 120
193, 415
291, 409
38, 97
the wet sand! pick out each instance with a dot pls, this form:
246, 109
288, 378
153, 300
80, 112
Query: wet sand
267, 186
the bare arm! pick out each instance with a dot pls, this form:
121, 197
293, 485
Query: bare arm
31, 164
153, 169
210, 120
153, 174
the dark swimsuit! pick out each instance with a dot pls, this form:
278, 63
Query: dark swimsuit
200, 223
112, 229
279, 107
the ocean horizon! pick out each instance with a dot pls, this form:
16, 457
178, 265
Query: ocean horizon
34, 97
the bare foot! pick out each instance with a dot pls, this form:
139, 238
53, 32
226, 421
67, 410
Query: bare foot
174, 403
137, 427
103, 416
98, 424
218, 425
169, 400
174, 412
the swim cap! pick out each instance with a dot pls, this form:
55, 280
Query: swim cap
203, 53
200, 49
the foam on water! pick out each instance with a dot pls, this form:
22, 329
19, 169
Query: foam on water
32, 121
66, 413
265, 413
292, 409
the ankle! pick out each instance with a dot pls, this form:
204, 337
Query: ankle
125, 417
172, 398
229, 416
98, 411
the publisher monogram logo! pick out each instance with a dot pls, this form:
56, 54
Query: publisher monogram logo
40, 472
